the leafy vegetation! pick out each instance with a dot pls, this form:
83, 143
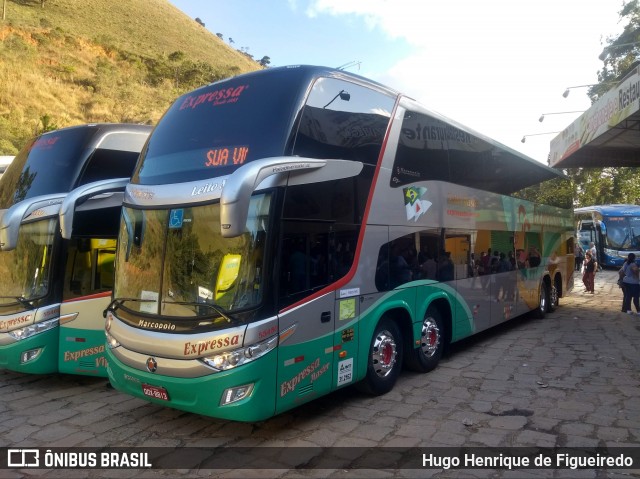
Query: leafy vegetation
596, 186
65, 62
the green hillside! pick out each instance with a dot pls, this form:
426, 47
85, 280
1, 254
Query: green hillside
67, 62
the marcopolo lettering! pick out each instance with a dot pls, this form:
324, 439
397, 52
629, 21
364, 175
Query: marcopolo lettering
220, 342
156, 325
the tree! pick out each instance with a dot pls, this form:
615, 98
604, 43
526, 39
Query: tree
596, 186
264, 61
620, 53
200, 22
219, 35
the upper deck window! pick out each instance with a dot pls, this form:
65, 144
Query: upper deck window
343, 120
48, 164
214, 130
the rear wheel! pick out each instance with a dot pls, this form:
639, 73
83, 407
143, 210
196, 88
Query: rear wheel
385, 358
554, 297
543, 301
427, 356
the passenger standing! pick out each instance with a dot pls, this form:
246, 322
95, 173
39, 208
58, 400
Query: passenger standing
630, 285
579, 256
589, 275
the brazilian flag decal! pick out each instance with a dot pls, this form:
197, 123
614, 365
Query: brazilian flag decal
414, 205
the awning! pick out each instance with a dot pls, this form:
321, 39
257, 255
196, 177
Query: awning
607, 134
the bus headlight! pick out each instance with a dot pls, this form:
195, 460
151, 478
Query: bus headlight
33, 329
112, 342
240, 356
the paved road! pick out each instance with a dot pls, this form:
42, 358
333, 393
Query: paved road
570, 380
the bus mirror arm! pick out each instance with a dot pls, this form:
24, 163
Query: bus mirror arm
82, 194
240, 185
38, 207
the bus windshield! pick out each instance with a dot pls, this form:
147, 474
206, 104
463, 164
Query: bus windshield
49, 164
25, 271
213, 130
623, 233
202, 273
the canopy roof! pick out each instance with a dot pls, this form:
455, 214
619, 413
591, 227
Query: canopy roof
607, 134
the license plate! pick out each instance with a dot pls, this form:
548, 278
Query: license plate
155, 392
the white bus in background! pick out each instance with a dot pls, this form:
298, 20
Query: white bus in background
4, 162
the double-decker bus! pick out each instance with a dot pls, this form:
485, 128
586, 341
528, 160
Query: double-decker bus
301, 229
614, 230
56, 282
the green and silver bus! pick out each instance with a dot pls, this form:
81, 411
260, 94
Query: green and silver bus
301, 229
61, 199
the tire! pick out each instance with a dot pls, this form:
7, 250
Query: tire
432, 342
384, 361
554, 298
543, 302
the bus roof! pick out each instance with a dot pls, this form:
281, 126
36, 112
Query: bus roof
613, 209
502, 169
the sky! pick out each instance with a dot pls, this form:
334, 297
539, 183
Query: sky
493, 65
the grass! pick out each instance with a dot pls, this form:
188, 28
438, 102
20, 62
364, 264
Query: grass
80, 62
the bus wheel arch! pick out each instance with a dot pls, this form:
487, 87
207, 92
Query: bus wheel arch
385, 356
435, 335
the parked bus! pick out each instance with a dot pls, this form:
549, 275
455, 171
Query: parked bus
53, 290
275, 237
614, 229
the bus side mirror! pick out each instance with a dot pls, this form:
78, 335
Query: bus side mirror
240, 185
36, 208
83, 193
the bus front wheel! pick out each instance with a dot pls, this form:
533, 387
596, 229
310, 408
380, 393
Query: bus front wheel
427, 356
385, 358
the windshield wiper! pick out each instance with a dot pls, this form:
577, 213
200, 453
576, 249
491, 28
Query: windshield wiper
23, 301
117, 302
217, 309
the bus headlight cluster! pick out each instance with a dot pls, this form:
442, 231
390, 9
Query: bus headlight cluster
238, 357
112, 342
33, 329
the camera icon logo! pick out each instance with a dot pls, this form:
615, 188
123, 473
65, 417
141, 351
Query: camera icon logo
23, 458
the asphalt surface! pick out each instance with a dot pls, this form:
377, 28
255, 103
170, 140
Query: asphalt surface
570, 380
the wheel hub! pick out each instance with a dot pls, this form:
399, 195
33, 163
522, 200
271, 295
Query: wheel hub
385, 354
430, 337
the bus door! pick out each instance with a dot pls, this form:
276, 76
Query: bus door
89, 220
88, 283
306, 349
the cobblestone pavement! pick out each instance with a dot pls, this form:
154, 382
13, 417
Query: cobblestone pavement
569, 380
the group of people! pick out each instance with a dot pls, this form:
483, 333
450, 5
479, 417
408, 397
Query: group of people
629, 274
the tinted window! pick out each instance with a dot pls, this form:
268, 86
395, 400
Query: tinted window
212, 131
430, 149
109, 164
343, 120
320, 231
48, 164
